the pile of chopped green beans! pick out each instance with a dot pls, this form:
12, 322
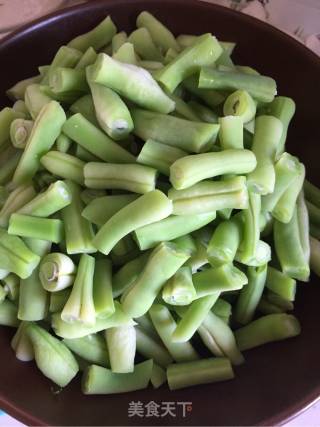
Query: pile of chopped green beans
153, 227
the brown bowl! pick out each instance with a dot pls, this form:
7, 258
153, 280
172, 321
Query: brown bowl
278, 380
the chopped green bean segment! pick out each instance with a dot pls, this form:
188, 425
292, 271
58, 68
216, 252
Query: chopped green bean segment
91, 348
184, 134
121, 342
53, 358
204, 51
274, 327
20, 130
158, 376
204, 371
281, 284
261, 88
224, 243
98, 380
56, 272
8, 314
144, 45
151, 348
102, 288
179, 290
22, 345
165, 326
98, 37
240, 104
194, 168
18, 198
312, 193
170, 228
209, 196
64, 165
36, 228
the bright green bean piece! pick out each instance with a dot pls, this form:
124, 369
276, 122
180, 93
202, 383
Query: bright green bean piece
159, 156
58, 300
209, 196
101, 209
22, 345
84, 133
111, 112
121, 342
287, 169
20, 130
16, 200
118, 40
223, 309
36, 228
194, 168
7, 116
163, 262
150, 207
266, 139
11, 286
158, 376
52, 357
192, 317
127, 274
8, 166
240, 104
204, 113
131, 177
85, 107
170, 228
312, 193
274, 327
284, 209
231, 132
56, 197
8, 314
126, 54
280, 302
281, 284
64, 165
80, 305
179, 290
262, 255
224, 243
56, 272
79, 330
45, 131
184, 134
289, 250
144, 45
18, 90
283, 108
33, 298
204, 51
132, 82
102, 288
35, 100
88, 195
304, 226
222, 334
88, 58
211, 98
160, 34
63, 79
251, 228
165, 326
221, 279
98, 37
91, 348
78, 231
185, 40
182, 109
98, 380
150, 348
65, 57
15, 256
204, 371
250, 295
261, 88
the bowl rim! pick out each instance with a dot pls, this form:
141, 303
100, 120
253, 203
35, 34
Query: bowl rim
312, 397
